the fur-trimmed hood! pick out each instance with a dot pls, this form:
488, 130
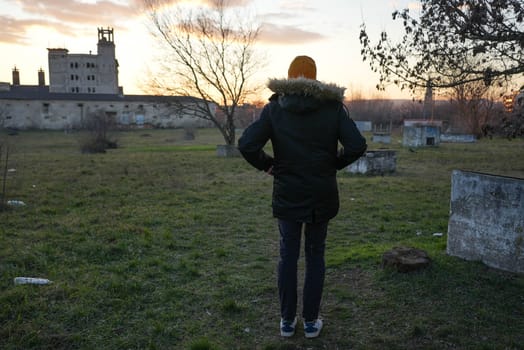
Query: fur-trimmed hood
307, 87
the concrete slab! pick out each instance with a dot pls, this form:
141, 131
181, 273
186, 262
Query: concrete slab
487, 220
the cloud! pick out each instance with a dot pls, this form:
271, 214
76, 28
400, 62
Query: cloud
398, 5
296, 5
415, 6
276, 16
286, 35
76, 17
209, 3
233, 3
13, 30
288, 12
64, 16
78, 12
283, 26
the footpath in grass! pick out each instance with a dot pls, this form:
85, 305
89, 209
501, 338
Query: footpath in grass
160, 244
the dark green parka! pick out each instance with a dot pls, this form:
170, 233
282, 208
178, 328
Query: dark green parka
305, 121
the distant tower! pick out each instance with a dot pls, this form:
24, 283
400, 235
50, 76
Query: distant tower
106, 41
58, 69
107, 63
41, 77
427, 108
16, 76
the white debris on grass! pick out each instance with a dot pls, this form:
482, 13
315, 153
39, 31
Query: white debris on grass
32, 280
16, 203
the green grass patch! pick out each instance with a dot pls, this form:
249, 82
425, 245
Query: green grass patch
160, 244
194, 148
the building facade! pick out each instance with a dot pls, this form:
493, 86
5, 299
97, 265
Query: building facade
85, 73
84, 84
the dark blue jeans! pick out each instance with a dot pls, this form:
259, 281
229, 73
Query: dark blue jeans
314, 247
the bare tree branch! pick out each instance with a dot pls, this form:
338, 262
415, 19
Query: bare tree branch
451, 43
209, 55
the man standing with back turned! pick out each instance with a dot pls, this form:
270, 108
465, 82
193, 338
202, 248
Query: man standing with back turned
305, 121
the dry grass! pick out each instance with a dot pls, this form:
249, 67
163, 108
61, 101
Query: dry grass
160, 244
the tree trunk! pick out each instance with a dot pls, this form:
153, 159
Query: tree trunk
228, 131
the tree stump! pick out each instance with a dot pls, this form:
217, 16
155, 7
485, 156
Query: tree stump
405, 259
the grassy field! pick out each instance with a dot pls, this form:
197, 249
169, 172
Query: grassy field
160, 244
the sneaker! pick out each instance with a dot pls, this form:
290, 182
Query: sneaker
312, 329
287, 328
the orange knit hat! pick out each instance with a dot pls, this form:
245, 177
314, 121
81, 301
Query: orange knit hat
302, 66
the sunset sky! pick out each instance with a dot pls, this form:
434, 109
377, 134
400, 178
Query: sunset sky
326, 30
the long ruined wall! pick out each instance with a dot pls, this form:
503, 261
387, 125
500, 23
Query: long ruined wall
58, 115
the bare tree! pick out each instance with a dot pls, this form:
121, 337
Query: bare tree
450, 43
512, 124
474, 104
374, 110
98, 125
369, 106
209, 57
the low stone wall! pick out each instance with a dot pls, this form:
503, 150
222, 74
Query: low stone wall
487, 220
378, 162
381, 138
363, 125
458, 138
227, 151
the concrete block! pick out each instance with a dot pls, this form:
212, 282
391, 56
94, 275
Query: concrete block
227, 151
421, 133
363, 125
487, 220
378, 162
381, 138
458, 138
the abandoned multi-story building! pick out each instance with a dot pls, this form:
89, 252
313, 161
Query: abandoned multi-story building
83, 84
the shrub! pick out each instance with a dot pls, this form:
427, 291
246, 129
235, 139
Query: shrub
98, 124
